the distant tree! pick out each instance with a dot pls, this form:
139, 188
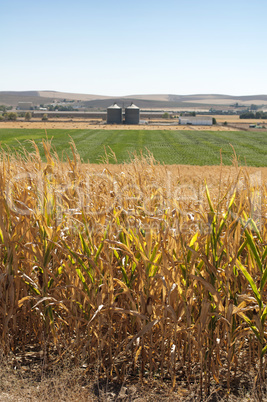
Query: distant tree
1, 117
45, 117
4, 108
225, 123
61, 108
28, 116
214, 120
166, 115
247, 115
12, 116
253, 107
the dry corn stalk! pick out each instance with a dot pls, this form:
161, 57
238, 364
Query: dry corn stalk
131, 269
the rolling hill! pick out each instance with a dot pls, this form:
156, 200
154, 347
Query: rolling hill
150, 101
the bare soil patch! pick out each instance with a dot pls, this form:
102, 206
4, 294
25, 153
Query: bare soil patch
34, 381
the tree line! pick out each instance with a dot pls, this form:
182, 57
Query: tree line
252, 115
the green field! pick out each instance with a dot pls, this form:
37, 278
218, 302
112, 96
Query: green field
167, 146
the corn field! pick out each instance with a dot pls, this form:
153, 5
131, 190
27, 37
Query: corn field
142, 273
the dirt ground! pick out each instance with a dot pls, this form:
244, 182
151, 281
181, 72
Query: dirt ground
32, 381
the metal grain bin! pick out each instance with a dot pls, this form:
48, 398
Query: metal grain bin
114, 114
132, 114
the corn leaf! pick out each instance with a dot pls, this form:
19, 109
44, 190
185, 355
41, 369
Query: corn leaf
254, 250
251, 282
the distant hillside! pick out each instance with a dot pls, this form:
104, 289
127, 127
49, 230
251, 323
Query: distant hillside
13, 98
70, 96
157, 101
142, 103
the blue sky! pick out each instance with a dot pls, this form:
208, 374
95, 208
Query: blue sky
135, 47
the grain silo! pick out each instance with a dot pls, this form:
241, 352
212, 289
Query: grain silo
114, 114
132, 114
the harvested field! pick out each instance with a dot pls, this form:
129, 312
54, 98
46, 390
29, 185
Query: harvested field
70, 125
235, 119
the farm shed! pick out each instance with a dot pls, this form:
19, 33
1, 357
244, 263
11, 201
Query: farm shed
196, 121
24, 105
114, 114
132, 114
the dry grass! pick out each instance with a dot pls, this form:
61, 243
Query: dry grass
143, 274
